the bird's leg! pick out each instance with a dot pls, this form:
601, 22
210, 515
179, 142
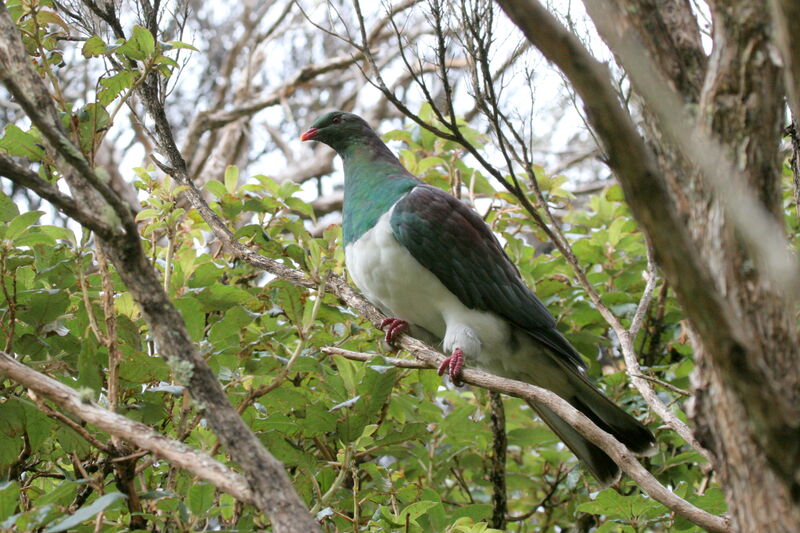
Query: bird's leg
453, 365
393, 327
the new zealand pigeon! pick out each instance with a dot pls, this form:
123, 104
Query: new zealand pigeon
430, 262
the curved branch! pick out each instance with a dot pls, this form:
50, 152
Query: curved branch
141, 435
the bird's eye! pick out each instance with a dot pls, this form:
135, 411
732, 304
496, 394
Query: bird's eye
336, 120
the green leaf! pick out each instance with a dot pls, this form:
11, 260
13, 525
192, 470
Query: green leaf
70, 442
200, 498
85, 513
59, 495
221, 297
18, 143
92, 119
8, 209
428, 163
588, 252
181, 44
195, 321
139, 367
231, 178
93, 47
712, 500
399, 135
9, 498
164, 60
301, 206
374, 390
231, 325
216, 188
146, 214
475, 511
416, 509
144, 40
42, 306
20, 224
616, 229
48, 17
59, 233
90, 364
614, 505
140, 46
114, 85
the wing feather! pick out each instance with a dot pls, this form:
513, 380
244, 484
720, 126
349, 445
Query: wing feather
452, 241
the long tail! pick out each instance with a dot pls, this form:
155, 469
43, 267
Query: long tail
587, 399
601, 466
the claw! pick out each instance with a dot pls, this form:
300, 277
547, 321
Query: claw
453, 366
393, 327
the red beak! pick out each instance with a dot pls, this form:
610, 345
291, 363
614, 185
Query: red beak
309, 135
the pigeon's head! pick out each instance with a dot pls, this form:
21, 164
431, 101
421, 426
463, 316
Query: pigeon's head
338, 129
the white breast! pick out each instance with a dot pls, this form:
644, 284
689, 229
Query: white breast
389, 277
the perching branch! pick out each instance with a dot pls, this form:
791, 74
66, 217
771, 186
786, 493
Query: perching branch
339, 286
616, 450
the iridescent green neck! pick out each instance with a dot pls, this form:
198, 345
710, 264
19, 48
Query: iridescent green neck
373, 181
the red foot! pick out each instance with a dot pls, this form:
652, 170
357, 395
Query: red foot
393, 327
453, 365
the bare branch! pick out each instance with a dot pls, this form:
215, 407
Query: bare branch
208, 120
66, 204
367, 357
126, 429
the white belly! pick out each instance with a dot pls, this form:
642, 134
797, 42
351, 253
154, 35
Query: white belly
389, 277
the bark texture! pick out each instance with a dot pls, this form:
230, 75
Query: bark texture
748, 365
742, 106
740, 103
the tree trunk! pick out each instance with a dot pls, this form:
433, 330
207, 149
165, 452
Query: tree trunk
747, 407
740, 104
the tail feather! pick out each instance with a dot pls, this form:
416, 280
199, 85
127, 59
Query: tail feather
613, 419
599, 464
589, 400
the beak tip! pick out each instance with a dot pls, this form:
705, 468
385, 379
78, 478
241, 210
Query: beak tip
309, 135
